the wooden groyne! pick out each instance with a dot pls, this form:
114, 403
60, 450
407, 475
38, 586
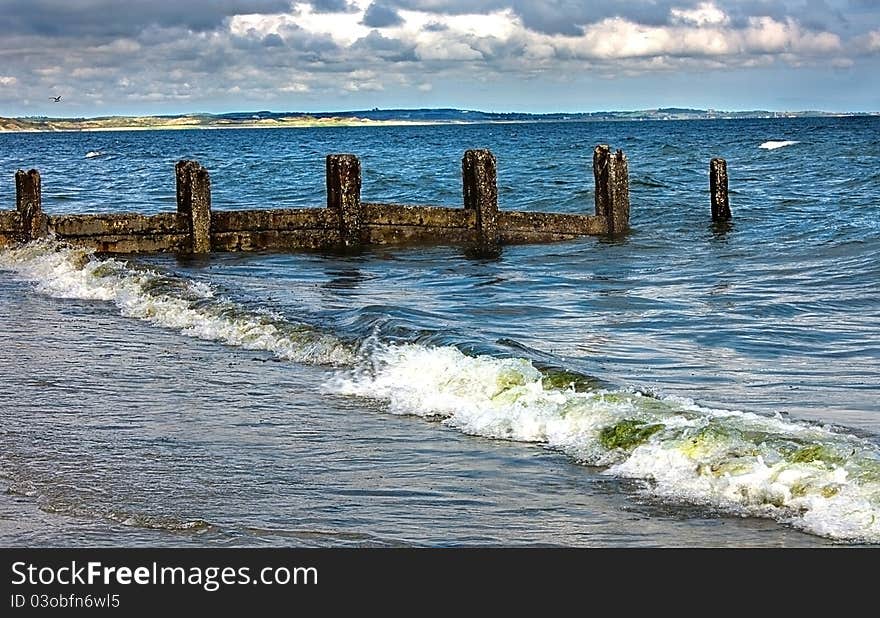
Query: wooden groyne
345, 221
718, 190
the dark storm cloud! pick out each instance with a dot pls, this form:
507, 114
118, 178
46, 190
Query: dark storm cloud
292, 37
332, 6
272, 40
392, 50
381, 16
566, 16
111, 18
298, 39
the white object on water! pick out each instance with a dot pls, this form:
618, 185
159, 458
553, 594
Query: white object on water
94, 153
773, 145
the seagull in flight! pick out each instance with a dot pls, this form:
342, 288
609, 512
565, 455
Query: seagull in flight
56, 99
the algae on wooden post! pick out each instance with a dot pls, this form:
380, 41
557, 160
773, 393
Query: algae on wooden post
29, 204
611, 173
718, 190
194, 203
480, 189
201, 211
344, 195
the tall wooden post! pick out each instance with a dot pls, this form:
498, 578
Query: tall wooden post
601, 165
611, 172
182, 172
29, 204
718, 190
480, 188
194, 202
344, 195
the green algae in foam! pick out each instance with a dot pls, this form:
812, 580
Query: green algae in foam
815, 453
627, 434
568, 380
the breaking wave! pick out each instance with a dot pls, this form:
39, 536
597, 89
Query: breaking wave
816, 478
190, 307
773, 145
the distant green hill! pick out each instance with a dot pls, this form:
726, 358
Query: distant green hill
268, 119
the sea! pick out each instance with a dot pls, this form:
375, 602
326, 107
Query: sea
687, 384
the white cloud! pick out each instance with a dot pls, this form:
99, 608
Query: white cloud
8, 80
700, 37
256, 25
499, 24
299, 54
705, 14
436, 48
362, 80
767, 35
88, 72
363, 86
295, 87
344, 28
704, 31
871, 42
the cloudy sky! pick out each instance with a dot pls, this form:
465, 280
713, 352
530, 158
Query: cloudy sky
173, 56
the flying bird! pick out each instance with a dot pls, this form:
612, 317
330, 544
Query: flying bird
56, 99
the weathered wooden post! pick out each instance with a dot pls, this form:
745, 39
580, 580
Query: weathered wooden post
718, 190
29, 204
344, 195
194, 202
182, 172
480, 188
611, 172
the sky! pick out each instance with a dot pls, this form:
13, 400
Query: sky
106, 57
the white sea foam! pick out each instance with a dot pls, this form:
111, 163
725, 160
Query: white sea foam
773, 145
187, 306
816, 478
812, 477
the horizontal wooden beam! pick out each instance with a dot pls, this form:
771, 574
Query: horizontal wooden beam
275, 240
281, 219
428, 216
133, 243
524, 225
416, 234
116, 224
284, 229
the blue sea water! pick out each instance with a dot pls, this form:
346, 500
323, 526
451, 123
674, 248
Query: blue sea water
685, 385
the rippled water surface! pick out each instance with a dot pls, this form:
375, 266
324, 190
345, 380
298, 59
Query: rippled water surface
685, 385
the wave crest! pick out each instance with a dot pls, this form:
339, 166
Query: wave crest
773, 145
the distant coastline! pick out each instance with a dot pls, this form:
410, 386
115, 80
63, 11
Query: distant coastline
163, 123
375, 117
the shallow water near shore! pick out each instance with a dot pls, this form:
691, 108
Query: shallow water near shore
687, 385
